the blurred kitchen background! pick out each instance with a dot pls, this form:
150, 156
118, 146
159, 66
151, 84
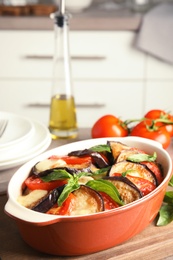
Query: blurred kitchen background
120, 50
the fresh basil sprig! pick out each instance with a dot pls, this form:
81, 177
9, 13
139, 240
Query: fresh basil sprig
71, 186
56, 174
101, 171
142, 157
171, 182
166, 210
101, 148
107, 187
165, 215
72, 182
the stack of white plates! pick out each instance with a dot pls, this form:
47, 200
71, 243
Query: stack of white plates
22, 140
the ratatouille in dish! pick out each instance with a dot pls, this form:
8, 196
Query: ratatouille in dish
92, 180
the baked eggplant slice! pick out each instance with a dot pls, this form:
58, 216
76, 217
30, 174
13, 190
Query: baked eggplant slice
124, 154
32, 198
88, 201
97, 158
47, 202
127, 190
156, 168
43, 171
116, 148
133, 169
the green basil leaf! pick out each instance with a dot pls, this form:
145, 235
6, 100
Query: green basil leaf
127, 172
168, 197
71, 186
165, 215
171, 182
107, 187
101, 171
101, 148
141, 157
57, 174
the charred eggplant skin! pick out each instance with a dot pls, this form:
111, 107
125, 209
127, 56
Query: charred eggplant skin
70, 170
48, 201
98, 160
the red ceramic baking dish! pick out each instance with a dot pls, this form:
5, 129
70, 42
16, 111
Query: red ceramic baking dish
78, 235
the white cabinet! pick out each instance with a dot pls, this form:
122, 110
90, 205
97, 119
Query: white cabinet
32, 98
159, 85
159, 95
95, 55
158, 70
108, 74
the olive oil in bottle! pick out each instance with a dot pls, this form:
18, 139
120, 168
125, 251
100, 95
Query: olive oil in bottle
62, 122
63, 116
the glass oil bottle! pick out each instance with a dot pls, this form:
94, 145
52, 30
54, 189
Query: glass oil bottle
62, 121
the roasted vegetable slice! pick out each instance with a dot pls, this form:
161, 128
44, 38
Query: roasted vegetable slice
143, 185
44, 167
133, 169
156, 169
82, 201
31, 199
116, 148
124, 154
47, 202
99, 159
127, 190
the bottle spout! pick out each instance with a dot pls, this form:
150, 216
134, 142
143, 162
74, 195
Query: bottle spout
62, 7
60, 12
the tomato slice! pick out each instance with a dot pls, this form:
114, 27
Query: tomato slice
66, 207
72, 159
109, 203
155, 169
35, 183
144, 185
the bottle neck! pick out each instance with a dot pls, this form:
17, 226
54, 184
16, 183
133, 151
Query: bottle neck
62, 80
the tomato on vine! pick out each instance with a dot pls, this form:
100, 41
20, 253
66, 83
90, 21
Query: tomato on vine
149, 129
166, 119
109, 126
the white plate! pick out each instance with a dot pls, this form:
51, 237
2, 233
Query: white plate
37, 144
18, 128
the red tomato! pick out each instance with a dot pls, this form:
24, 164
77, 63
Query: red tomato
66, 207
155, 169
109, 126
161, 114
35, 183
109, 203
72, 159
145, 186
147, 130
155, 113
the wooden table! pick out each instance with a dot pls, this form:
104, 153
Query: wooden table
152, 244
